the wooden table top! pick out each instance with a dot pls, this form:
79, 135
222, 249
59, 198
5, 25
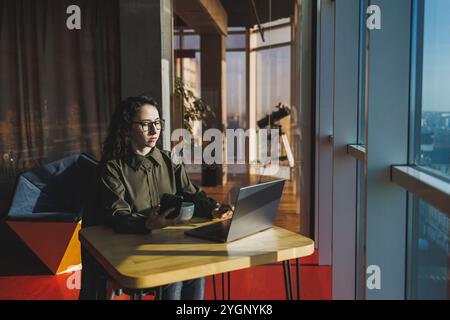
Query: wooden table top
167, 255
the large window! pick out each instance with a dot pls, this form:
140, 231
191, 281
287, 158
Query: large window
237, 84
273, 65
428, 228
428, 256
236, 90
273, 78
433, 99
237, 78
403, 121
187, 58
270, 82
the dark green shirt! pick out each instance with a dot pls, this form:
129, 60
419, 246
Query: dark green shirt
129, 186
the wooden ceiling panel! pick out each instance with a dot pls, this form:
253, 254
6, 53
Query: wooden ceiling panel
204, 16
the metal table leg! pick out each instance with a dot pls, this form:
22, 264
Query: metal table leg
291, 291
223, 286
287, 279
214, 287
297, 271
228, 286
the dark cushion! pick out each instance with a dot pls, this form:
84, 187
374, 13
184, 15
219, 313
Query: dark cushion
54, 192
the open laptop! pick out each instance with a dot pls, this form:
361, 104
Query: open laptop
255, 209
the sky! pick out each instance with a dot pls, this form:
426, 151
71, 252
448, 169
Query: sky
436, 64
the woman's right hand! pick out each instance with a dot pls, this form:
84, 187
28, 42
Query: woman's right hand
157, 220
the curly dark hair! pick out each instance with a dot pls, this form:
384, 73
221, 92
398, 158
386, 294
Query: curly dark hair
117, 142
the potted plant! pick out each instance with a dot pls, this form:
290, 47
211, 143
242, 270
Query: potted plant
194, 108
196, 112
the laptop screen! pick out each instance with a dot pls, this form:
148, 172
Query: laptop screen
255, 209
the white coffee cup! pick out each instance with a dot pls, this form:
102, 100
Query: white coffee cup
186, 211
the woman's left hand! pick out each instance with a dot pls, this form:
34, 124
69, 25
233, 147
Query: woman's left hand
223, 212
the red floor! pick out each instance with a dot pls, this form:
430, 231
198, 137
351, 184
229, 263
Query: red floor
264, 282
22, 276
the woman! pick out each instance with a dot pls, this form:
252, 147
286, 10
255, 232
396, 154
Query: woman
134, 175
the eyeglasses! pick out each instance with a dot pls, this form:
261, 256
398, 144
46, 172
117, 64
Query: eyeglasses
146, 125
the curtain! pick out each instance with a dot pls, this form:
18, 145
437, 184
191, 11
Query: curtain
58, 87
